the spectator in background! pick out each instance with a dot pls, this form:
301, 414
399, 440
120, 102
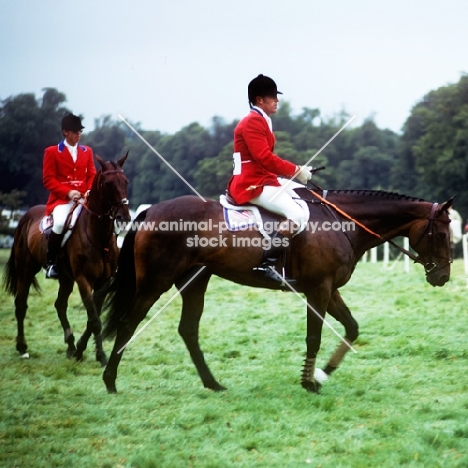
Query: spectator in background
455, 229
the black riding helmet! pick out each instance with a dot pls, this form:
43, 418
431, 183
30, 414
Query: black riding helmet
72, 123
262, 86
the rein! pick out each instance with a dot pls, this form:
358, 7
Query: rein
428, 267
111, 213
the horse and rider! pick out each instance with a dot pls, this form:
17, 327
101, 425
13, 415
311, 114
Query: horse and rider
152, 261
89, 256
317, 264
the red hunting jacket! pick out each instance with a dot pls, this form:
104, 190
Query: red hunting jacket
260, 166
60, 173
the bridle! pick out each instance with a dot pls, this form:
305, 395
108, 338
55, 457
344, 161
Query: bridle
430, 267
114, 206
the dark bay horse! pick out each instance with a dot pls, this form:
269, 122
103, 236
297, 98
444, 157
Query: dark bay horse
89, 257
153, 258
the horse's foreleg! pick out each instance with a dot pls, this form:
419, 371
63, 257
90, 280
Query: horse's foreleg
193, 296
316, 305
61, 305
100, 353
93, 326
339, 310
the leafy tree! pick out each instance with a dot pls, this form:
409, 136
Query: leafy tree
212, 174
369, 169
107, 139
368, 155
27, 127
429, 159
434, 152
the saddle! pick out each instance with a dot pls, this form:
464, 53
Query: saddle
47, 222
250, 216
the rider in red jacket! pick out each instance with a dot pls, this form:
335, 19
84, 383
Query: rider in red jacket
68, 173
257, 167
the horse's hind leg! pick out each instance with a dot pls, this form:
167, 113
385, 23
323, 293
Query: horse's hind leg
61, 305
339, 310
193, 295
24, 277
21, 306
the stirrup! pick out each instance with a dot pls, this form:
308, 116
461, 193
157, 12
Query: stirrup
269, 272
51, 272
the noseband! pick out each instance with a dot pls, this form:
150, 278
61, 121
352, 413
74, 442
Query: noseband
431, 267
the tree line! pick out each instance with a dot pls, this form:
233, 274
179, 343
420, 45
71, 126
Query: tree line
429, 159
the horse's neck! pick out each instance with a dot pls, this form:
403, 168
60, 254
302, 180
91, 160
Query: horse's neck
385, 216
98, 223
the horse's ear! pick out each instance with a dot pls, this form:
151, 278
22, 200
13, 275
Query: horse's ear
121, 161
100, 160
446, 205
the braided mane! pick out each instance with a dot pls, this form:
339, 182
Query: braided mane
377, 193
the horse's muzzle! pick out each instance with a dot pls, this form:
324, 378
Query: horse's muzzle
123, 217
438, 280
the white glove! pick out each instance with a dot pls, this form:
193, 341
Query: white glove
304, 174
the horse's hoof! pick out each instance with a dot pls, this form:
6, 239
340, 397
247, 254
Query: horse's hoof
311, 387
110, 387
22, 348
71, 350
102, 358
219, 388
77, 356
216, 387
24, 356
103, 361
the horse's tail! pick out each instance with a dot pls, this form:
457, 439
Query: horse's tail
10, 273
120, 291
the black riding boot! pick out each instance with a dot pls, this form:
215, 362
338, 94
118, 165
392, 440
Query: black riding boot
53, 249
269, 259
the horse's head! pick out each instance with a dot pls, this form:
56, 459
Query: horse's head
110, 189
430, 238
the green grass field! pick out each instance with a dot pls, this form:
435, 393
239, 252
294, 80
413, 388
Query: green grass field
401, 400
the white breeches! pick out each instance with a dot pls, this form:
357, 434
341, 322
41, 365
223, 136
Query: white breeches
279, 200
59, 216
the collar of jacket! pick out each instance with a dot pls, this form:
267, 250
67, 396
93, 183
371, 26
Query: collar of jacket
61, 147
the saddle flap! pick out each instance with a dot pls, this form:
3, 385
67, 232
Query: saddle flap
47, 222
244, 217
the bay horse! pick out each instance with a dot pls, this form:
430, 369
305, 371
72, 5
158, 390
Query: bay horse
89, 257
322, 260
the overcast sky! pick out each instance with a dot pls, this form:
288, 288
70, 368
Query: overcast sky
168, 63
